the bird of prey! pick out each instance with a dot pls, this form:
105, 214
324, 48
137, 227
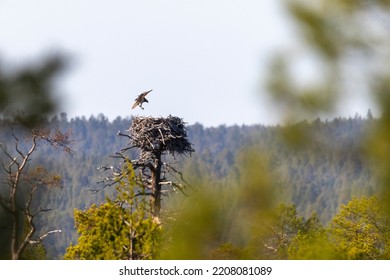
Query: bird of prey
141, 99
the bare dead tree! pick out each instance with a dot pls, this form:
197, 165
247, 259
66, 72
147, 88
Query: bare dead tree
22, 183
154, 139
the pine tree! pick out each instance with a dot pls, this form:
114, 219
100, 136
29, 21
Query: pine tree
119, 229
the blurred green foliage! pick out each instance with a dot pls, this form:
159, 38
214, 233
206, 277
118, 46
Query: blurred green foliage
350, 39
27, 92
26, 99
218, 221
343, 40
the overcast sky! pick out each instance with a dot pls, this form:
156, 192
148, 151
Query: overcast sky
204, 60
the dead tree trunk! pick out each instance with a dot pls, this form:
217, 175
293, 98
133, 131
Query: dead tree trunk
153, 139
156, 186
18, 203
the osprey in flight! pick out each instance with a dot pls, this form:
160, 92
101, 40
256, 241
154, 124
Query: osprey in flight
141, 99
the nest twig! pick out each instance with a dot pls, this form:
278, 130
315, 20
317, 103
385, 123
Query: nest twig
154, 137
158, 135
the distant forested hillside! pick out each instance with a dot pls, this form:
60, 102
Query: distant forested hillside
319, 175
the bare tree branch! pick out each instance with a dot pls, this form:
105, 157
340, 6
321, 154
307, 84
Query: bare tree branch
153, 138
19, 207
40, 238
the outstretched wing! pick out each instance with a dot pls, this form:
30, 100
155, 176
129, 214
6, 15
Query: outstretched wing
145, 93
135, 103
140, 99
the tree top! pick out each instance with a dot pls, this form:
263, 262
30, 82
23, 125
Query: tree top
157, 135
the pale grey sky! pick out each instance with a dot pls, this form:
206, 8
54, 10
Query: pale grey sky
203, 59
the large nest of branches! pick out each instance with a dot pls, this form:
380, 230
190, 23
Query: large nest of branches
160, 134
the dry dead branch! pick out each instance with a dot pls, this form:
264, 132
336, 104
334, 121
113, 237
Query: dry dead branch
160, 134
153, 138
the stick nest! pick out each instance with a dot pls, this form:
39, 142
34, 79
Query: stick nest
160, 134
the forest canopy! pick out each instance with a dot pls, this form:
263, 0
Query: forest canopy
318, 177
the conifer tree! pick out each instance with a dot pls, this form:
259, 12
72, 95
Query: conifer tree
120, 228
